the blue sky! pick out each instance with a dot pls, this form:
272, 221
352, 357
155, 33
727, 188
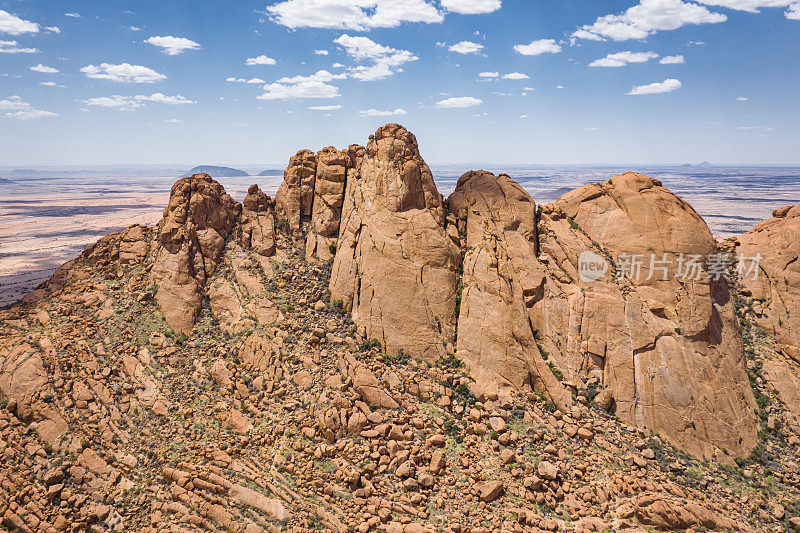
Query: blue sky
511, 81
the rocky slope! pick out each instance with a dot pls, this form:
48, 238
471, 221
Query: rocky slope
362, 354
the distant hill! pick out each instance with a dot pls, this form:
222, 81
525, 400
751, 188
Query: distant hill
216, 172
270, 173
4, 181
703, 164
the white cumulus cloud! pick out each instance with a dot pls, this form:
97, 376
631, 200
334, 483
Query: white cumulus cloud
666, 86
751, 6
164, 99
116, 101
379, 113
325, 107
488, 74
621, 59
793, 13
14, 25
11, 47
73, 15
471, 7
260, 60
385, 60
50, 84
647, 18
537, 48
516, 76
173, 45
466, 47
673, 60
460, 101
120, 102
21, 110
255, 80
359, 15
303, 89
44, 69
321, 52
123, 73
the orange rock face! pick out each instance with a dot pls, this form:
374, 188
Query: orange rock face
395, 266
502, 279
191, 238
295, 196
776, 283
666, 347
258, 222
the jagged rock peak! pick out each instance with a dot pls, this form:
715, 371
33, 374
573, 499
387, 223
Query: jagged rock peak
256, 200
191, 238
395, 265
396, 173
295, 196
502, 280
258, 222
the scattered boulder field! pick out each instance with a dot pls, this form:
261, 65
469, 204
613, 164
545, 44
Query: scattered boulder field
362, 354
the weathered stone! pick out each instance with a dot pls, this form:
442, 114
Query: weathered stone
395, 267
295, 196
258, 222
502, 280
671, 351
191, 239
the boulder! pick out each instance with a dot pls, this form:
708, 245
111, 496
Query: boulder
502, 279
295, 196
665, 341
258, 222
191, 238
395, 267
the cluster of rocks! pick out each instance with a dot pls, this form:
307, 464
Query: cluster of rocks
362, 354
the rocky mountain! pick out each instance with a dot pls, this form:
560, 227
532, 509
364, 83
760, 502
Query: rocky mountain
216, 172
362, 354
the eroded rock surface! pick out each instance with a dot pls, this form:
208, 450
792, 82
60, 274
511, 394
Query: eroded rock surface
295, 196
258, 222
502, 279
191, 238
395, 266
332, 165
775, 284
666, 348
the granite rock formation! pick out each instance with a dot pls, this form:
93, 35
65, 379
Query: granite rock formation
664, 343
774, 278
258, 222
567, 401
502, 279
395, 267
295, 196
191, 238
